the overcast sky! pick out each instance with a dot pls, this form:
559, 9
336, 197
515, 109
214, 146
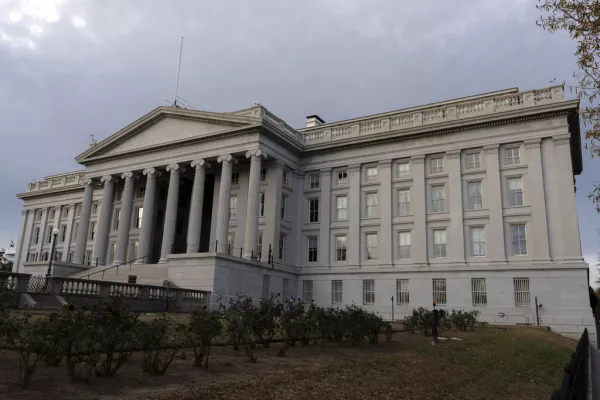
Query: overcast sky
70, 69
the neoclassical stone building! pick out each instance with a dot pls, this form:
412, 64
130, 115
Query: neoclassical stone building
468, 202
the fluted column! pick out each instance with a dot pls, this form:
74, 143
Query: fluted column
125, 219
147, 227
195, 219
170, 212
101, 243
224, 195
84, 222
251, 236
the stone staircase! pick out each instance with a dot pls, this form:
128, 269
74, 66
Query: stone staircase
147, 274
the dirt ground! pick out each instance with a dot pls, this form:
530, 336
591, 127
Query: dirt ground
226, 367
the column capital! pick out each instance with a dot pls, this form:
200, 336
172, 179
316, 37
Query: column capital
107, 178
201, 162
127, 175
256, 153
418, 159
150, 171
453, 154
533, 143
564, 138
174, 167
227, 158
87, 181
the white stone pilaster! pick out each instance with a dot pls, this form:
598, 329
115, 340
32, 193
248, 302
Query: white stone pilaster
539, 239
226, 162
251, 234
195, 218
170, 212
385, 213
492, 200
456, 232
104, 219
21, 245
84, 222
70, 224
125, 219
353, 242
419, 206
324, 217
272, 210
147, 228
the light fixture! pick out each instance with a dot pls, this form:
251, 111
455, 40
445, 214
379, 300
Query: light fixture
501, 314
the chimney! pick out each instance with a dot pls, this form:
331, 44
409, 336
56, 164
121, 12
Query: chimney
313, 120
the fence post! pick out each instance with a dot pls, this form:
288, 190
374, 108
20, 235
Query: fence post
434, 321
537, 314
96, 261
392, 308
216, 246
252, 254
22, 283
270, 255
241, 249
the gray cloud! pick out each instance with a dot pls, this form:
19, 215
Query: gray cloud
70, 69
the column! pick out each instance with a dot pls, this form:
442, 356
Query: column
251, 235
324, 217
43, 223
170, 212
224, 195
537, 199
385, 213
456, 235
104, 219
147, 227
195, 219
353, 242
419, 206
70, 223
571, 247
84, 223
125, 219
492, 200
21, 245
273, 210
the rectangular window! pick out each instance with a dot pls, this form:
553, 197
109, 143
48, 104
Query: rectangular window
512, 156
282, 246
116, 219
111, 252
515, 192
372, 205
49, 230
285, 289
372, 246
437, 165
371, 174
402, 297
63, 233
342, 177
141, 192
439, 291
265, 287
437, 199
138, 214
38, 215
88, 257
259, 241
285, 177
341, 204
235, 178
313, 210
52, 213
263, 174
340, 248
64, 212
519, 239
368, 291
261, 205
473, 161
92, 230
336, 292
233, 207
522, 295
313, 181
475, 197
58, 255
307, 291
403, 170
36, 235
230, 243
439, 243
77, 210
403, 245
283, 206
119, 194
478, 292
94, 209
133, 250
74, 234
478, 242
403, 202
312, 248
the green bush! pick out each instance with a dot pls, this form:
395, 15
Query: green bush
79, 345
203, 327
420, 319
161, 338
463, 320
27, 336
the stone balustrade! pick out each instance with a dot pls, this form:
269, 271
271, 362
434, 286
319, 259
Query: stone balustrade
57, 181
89, 293
433, 114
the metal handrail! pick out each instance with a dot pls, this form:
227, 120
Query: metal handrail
130, 262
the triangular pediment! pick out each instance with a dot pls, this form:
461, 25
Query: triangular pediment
165, 126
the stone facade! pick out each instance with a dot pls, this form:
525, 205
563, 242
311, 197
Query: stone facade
469, 202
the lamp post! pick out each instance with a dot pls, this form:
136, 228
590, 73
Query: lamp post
55, 233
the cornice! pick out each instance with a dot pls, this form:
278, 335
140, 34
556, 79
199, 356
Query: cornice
42, 193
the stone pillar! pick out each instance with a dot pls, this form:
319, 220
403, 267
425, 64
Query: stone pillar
385, 214
537, 199
104, 219
273, 210
353, 242
251, 236
571, 246
84, 222
492, 199
456, 233
170, 212
324, 218
419, 207
125, 219
195, 218
70, 224
21, 245
147, 228
224, 195
43, 221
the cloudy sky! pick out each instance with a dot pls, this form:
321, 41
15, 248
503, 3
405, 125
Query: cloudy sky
74, 68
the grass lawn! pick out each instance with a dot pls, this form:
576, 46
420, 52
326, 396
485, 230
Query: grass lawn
496, 363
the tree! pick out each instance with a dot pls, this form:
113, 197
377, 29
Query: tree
581, 19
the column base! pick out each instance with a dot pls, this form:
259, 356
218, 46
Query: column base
116, 262
163, 261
